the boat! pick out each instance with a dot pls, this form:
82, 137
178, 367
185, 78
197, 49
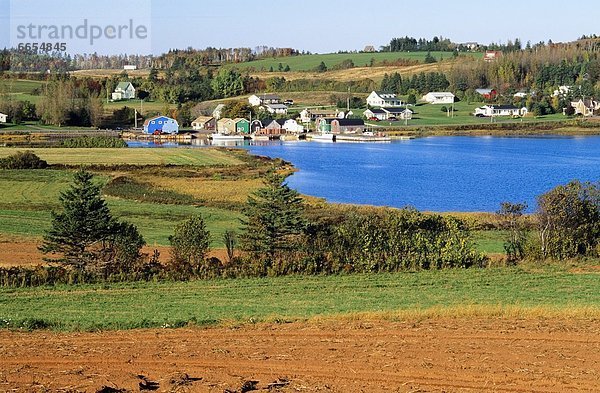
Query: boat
219, 137
258, 137
323, 137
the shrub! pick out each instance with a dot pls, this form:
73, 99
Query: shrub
23, 160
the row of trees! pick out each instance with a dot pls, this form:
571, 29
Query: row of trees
420, 83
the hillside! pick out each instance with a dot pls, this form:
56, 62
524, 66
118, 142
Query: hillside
310, 62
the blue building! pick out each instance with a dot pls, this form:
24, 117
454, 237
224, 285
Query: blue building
161, 125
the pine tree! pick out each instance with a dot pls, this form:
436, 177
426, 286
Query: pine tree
85, 235
274, 220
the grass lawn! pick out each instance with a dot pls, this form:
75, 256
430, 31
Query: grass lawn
432, 115
492, 292
107, 156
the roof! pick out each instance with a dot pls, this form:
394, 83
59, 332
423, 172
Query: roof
348, 122
385, 94
147, 121
203, 119
502, 107
441, 94
238, 119
393, 110
123, 85
224, 120
376, 111
484, 91
276, 106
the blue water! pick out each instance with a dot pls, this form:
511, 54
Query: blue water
439, 173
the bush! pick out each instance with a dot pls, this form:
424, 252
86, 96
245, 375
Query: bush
94, 141
23, 160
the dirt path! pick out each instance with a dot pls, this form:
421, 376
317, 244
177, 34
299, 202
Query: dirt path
20, 252
428, 356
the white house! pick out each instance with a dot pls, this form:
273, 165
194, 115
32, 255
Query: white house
129, 67
3, 118
379, 99
258, 100
292, 126
123, 91
387, 113
499, 110
520, 94
439, 98
562, 91
277, 109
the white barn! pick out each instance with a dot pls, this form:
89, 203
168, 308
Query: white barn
439, 98
379, 99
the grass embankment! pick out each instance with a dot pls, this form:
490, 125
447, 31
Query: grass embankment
152, 188
515, 292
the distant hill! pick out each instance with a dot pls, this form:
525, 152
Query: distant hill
332, 60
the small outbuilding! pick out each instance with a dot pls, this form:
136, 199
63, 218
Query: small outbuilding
161, 125
207, 123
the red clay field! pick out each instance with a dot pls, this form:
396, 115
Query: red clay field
434, 355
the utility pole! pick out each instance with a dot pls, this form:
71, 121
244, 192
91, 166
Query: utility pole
135, 118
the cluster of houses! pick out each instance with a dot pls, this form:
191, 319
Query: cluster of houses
270, 103
386, 106
381, 106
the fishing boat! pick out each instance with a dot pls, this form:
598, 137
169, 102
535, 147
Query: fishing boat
219, 137
323, 137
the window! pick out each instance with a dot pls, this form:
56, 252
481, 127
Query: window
153, 122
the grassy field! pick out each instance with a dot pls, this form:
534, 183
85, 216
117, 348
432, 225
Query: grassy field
21, 89
516, 292
310, 62
100, 156
28, 196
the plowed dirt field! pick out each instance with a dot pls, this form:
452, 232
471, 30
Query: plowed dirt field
438, 355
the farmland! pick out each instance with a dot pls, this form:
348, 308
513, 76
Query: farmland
156, 201
310, 62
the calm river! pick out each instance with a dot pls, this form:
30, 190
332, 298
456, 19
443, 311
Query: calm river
438, 173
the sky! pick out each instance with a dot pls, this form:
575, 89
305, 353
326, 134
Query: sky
319, 26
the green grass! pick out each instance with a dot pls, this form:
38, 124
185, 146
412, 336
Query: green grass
28, 196
133, 305
431, 115
108, 156
310, 62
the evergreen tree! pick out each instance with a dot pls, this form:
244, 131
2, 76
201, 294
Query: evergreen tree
274, 220
85, 233
322, 67
385, 83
